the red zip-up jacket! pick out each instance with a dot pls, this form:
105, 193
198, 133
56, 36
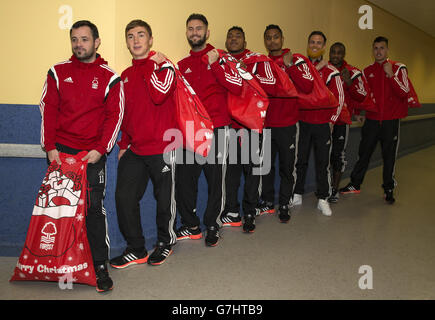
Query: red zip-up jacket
285, 112
150, 107
390, 94
82, 106
331, 77
211, 83
356, 92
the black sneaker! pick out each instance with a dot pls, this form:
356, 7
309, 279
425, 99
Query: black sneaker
128, 258
231, 219
284, 214
334, 196
160, 253
350, 188
388, 195
184, 233
249, 225
104, 283
264, 207
212, 237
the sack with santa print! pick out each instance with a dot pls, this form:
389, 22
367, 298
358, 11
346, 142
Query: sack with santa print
56, 246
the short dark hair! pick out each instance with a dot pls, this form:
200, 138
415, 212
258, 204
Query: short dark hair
238, 29
381, 39
317, 33
85, 23
338, 44
272, 26
197, 16
138, 23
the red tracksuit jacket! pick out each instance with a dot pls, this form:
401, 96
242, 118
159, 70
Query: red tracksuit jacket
82, 106
390, 94
357, 91
211, 83
331, 77
150, 107
262, 71
285, 112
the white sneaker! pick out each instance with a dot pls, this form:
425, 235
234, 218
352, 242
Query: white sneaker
297, 200
323, 206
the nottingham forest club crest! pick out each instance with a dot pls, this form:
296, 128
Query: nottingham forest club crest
48, 236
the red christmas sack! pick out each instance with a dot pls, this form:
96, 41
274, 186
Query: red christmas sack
320, 97
249, 108
285, 86
192, 118
56, 247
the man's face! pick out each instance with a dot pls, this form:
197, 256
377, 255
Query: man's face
316, 45
273, 40
235, 42
380, 51
197, 33
83, 45
139, 42
336, 55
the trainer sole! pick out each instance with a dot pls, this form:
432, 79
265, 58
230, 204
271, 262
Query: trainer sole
191, 237
208, 244
103, 291
232, 224
350, 192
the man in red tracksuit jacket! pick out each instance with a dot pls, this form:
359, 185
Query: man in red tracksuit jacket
355, 91
244, 140
82, 108
389, 85
211, 81
149, 112
282, 119
315, 128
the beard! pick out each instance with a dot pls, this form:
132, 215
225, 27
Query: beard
315, 55
83, 55
199, 43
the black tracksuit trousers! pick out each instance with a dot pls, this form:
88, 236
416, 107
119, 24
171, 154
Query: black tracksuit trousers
134, 173
244, 156
340, 135
387, 132
284, 144
319, 137
214, 167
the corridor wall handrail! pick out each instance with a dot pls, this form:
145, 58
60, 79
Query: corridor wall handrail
356, 124
35, 150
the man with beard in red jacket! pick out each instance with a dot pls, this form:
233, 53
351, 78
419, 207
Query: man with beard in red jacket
282, 119
144, 155
211, 81
315, 128
355, 91
388, 81
82, 108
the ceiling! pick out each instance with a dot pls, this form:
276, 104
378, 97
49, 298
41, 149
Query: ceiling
420, 13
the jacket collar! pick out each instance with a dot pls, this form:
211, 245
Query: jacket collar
207, 48
83, 65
